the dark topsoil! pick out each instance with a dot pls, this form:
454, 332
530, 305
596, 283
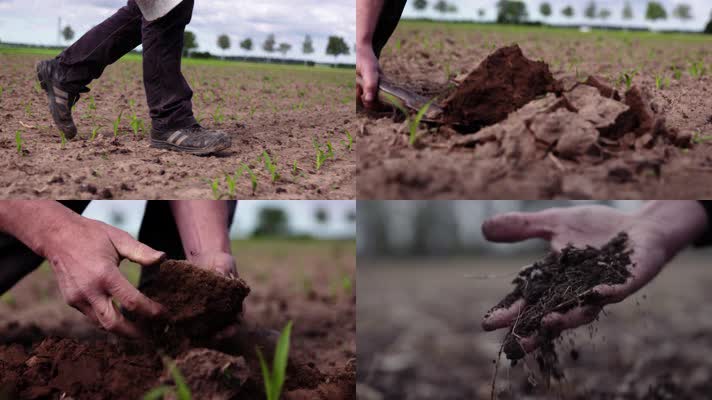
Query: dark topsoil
558, 283
203, 311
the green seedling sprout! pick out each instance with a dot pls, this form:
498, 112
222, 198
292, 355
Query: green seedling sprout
698, 137
350, 141
180, 391
271, 167
321, 155
136, 124
413, 123
697, 70
63, 138
94, 132
274, 379
627, 78
218, 116
253, 178
295, 170
676, 73
19, 142
28, 109
92, 104
2, 89
659, 82
117, 122
215, 185
230, 181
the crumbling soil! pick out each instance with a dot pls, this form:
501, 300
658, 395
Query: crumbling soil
190, 316
558, 283
517, 128
48, 363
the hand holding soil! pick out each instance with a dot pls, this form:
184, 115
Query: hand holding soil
85, 256
653, 236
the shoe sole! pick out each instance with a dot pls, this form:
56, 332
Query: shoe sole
215, 148
50, 96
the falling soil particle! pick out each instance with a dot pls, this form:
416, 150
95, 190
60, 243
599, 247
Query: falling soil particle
504, 82
558, 283
176, 285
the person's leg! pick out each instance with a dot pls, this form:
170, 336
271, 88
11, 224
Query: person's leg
167, 92
17, 260
68, 75
159, 231
387, 22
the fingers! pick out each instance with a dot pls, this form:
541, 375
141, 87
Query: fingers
111, 319
517, 226
612, 293
502, 317
133, 300
134, 250
557, 322
368, 82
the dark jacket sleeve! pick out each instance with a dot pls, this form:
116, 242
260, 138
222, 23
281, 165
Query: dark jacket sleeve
706, 238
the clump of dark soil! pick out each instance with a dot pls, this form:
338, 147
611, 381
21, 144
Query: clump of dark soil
199, 302
502, 83
527, 114
558, 283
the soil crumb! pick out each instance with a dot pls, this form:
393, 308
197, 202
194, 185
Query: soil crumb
199, 302
558, 283
502, 83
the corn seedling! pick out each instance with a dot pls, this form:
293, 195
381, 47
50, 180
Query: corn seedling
697, 70
215, 185
136, 124
218, 115
627, 78
676, 73
63, 138
295, 169
28, 109
698, 137
321, 155
94, 132
271, 167
117, 122
253, 178
350, 141
92, 104
2, 89
274, 379
230, 181
660, 82
180, 391
19, 142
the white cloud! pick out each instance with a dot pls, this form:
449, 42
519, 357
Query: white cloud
35, 21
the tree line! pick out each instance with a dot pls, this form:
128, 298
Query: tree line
515, 11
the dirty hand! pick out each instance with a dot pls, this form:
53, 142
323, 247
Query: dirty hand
85, 256
368, 75
221, 262
656, 232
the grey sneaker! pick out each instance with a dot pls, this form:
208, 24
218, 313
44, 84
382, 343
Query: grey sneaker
60, 101
194, 140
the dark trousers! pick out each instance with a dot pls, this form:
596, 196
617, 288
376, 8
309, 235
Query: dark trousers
167, 92
387, 22
158, 231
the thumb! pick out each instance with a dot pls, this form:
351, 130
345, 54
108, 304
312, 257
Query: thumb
518, 226
134, 250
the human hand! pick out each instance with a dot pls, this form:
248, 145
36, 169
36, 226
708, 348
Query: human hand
368, 75
85, 256
656, 234
218, 261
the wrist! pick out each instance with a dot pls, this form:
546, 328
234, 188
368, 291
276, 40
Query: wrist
674, 224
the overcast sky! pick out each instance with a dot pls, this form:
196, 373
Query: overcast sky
35, 21
300, 213
467, 9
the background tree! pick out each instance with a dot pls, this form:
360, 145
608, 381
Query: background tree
708, 28
590, 10
481, 12
68, 33
190, 43
271, 221
246, 44
321, 216
604, 13
655, 11
451, 8
682, 11
420, 5
337, 46
441, 6
568, 12
224, 43
269, 43
511, 12
545, 9
627, 11
308, 45
284, 48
